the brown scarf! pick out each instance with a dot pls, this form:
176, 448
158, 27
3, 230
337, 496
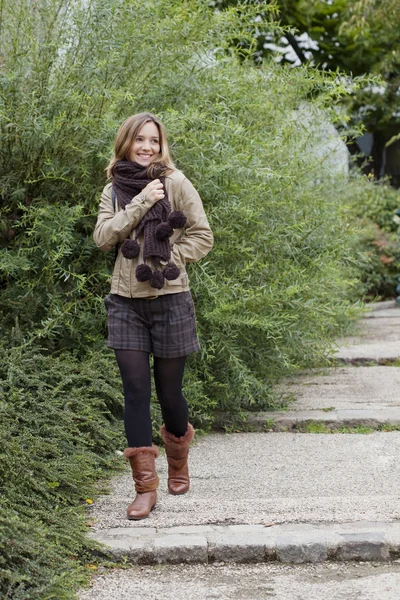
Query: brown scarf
128, 180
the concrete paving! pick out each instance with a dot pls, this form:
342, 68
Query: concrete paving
389, 312
327, 581
373, 330
379, 352
256, 478
377, 339
338, 397
346, 388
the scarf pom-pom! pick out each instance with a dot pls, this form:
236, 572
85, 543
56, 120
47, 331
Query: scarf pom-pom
171, 271
143, 273
177, 219
130, 249
163, 231
157, 280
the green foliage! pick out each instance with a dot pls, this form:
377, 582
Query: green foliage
280, 254
376, 202
351, 37
373, 206
275, 287
59, 432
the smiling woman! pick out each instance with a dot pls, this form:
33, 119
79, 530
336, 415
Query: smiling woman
159, 225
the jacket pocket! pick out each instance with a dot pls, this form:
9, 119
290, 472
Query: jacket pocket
181, 281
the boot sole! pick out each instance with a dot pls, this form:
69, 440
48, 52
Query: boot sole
130, 518
177, 493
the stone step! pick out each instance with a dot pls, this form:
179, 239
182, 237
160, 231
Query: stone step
287, 543
388, 313
374, 331
377, 338
372, 352
288, 497
338, 398
332, 419
345, 388
378, 310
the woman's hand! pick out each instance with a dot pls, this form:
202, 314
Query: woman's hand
154, 190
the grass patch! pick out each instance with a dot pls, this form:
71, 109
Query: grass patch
313, 427
318, 427
357, 429
388, 428
390, 362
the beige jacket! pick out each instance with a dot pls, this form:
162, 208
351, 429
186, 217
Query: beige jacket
189, 244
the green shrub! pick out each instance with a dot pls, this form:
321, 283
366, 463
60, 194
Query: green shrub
374, 205
276, 287
59, 431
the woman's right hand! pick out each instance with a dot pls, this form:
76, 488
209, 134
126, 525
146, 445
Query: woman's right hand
154, 190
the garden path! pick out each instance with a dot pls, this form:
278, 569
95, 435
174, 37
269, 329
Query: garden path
275, 493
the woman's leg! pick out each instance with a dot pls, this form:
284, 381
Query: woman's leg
177, 433
168, 377
134, 367
135, 372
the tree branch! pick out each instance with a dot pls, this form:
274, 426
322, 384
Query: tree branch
293, 42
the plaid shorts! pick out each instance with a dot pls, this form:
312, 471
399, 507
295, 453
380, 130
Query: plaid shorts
165, 326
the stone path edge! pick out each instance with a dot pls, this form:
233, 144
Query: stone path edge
287, 543
332, 419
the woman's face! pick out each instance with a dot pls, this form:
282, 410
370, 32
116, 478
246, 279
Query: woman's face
146, 146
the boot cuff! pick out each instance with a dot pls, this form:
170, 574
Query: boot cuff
170, 437
129, 452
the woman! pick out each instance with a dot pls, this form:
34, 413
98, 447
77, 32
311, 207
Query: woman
155, 217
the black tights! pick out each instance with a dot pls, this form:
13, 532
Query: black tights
134, 367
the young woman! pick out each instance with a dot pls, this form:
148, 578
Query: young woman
155, 217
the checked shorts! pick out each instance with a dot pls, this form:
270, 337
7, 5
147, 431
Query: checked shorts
165, 326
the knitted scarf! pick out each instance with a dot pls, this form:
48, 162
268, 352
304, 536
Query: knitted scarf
128, 180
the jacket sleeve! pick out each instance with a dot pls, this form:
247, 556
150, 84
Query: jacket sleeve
112, 227
197, 239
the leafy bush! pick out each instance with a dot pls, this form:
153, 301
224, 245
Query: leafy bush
274, 289
59, 432
374, 205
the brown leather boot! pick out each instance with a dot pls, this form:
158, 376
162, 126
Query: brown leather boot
177, 450
146, 480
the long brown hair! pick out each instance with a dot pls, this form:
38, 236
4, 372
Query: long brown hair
127, 134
